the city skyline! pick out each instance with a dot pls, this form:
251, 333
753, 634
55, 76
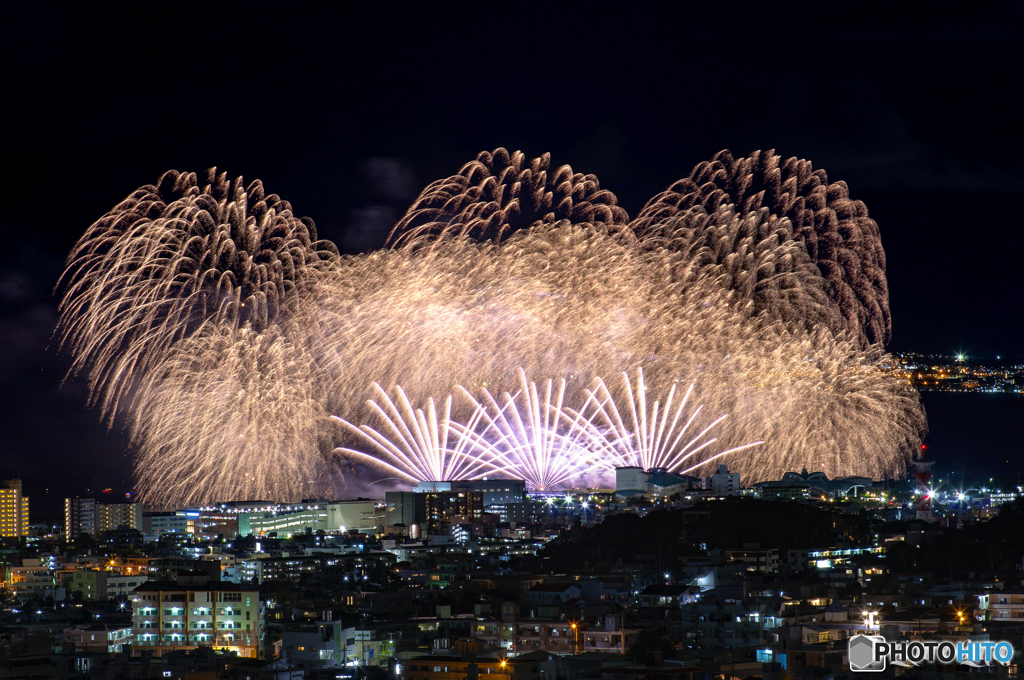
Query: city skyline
931, 151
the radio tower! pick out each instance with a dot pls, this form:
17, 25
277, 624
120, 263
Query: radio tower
922, 472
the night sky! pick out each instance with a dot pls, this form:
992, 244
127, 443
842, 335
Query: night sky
348, 114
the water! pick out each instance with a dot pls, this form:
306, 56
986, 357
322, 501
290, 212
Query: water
976, 438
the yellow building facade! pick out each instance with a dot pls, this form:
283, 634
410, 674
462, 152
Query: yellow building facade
13, 509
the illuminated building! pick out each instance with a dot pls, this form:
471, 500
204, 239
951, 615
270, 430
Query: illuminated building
99, 638
13, 509
92, 517
328, 516
79, 517
495, 491
194, 611
113, 516
725, 483
433, 509
173, 522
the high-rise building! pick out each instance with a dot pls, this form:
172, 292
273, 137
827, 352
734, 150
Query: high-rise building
13, 509
88, 516
111, 516
435, 509
79, 517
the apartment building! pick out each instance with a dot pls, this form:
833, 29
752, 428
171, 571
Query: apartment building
194, 611
13, 509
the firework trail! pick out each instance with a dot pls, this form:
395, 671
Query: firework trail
231, 334
496, 194
230, 414
176, 259
756, 258
839, 237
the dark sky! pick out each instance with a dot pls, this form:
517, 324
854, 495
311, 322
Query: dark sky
348, 114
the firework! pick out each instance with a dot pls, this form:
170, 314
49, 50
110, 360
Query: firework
756, 258
232, 334
174, 260
840, 238
497, 194
529, 432
415, 445
650, 437
230, 414
572, 303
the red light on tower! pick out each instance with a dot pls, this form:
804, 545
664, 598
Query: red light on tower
923, 474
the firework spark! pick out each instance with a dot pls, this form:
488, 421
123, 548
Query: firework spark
498, 193
839, 237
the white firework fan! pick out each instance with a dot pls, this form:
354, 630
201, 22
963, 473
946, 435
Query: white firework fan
651, 435
415, 445
530, 432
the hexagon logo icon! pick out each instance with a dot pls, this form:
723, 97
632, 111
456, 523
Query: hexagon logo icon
862, 653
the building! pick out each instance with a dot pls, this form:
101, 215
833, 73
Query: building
343, 516
657, 482
331, 517
79, 517
405, 508
32, 580
553, 635
194, 611
321, 566
725, 483
802, 484
98, 638
328, 643
453, 507
631, 481
664, 483
91, 584
432, 509
1005, 605
112, 516
216, 522
174, 522
785, 488
89, 516
120, 588
495, 491
457, 666
13, 509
